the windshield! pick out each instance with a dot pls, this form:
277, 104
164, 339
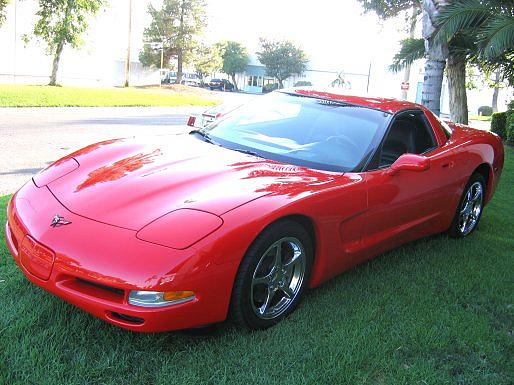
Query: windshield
303, 131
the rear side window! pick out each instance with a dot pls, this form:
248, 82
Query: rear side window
410, 133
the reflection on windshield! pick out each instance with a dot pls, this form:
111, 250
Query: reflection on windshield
303, 131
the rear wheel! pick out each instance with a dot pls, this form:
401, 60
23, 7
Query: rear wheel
272, 276
470, 208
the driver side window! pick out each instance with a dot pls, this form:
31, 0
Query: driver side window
409, 133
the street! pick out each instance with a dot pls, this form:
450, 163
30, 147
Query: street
32, 138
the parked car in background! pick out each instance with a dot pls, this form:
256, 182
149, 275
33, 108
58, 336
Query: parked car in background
220, 85
188, 79
212, 114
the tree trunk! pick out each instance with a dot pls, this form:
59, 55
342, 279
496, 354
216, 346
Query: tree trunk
496, 91
55, 64
436, 53
180, 59
457, 89
412, 31
280, 84
233, 76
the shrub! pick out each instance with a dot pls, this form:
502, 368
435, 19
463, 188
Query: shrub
485, 111
509, 127
269, 87
499, 123
510, 106
302, 83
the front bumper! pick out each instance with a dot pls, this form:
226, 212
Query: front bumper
93, 266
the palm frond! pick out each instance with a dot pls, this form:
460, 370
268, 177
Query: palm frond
410, 51
498, 36
460, 16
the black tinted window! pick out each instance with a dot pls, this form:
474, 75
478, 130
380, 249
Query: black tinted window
409, 133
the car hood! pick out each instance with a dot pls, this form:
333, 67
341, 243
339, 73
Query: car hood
131, 182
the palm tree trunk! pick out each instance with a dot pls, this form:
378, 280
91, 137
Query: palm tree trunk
55, 64
457, 89
180, 61
496, 91
436, 53
412, 31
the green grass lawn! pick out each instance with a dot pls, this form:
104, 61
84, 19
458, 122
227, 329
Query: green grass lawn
437, 311
480, 117
44, 96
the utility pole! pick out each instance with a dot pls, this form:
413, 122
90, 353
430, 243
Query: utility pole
127, 60
15, 39
369, 76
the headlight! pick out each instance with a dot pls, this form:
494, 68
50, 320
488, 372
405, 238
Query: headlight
159, 298
180, 229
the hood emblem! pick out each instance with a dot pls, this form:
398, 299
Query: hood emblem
59, 221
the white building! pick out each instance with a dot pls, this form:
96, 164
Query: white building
99, 62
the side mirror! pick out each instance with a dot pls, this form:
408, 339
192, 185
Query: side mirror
409, 162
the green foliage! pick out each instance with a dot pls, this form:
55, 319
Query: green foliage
485, 110
62, 22
488, 26
282, 59
177, 24
499, 123
509, 127
269, 87
410, 51
3, 5
386, 9
235, 57
510, 106
303, 83
207, 59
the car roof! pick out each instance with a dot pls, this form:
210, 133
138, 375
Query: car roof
389, 105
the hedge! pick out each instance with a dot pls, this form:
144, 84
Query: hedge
499, 123
509, 127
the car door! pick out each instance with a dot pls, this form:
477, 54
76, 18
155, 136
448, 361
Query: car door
408, 204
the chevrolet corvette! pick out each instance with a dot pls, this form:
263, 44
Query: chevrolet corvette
238, 219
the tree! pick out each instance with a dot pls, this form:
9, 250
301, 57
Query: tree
207, 59
282, 59
177, 25
3, 5
490, 24
436, 53
235, 59
62, 22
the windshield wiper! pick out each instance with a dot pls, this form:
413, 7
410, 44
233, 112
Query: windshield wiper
204, 135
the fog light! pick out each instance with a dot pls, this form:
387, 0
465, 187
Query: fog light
158, 298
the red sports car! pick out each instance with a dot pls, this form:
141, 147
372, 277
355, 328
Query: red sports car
238, 219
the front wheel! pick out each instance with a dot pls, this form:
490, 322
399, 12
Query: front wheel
470, 208
272, 276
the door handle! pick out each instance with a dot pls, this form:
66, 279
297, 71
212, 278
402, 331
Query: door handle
448, 165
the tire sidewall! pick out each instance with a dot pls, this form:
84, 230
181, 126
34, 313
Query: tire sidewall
454, 230
241, 302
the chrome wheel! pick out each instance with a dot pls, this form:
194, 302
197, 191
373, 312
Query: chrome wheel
471, 208
278, 278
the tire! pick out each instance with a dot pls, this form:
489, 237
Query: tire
472, 210
260, 281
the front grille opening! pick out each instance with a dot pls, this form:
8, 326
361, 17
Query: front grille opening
100, 286
128, 318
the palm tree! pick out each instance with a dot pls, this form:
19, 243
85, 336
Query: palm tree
486, 30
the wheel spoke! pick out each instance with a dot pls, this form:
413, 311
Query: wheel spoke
287, 291
277, 264
263, 280
289, 266
269, 297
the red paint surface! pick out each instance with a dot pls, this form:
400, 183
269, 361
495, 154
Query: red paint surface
179, 214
